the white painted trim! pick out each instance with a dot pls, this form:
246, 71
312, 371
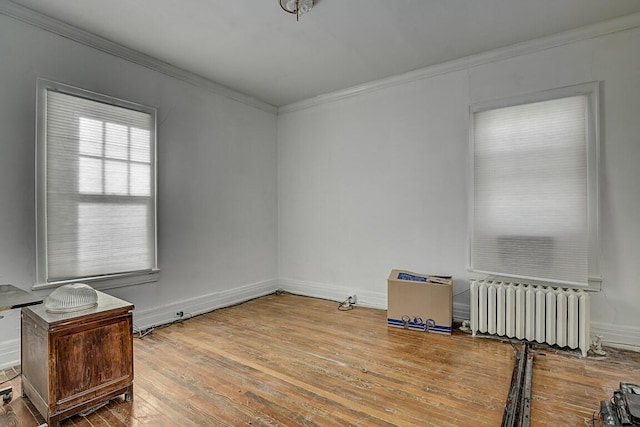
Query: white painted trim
54, 26
9, 354
47, 23
626, 337
10, 350
334, 293
203, 304
364, 298
461, 311
619, 336
583, 33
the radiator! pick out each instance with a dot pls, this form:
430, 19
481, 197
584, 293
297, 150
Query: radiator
554, 316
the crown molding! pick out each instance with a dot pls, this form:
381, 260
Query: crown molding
615, 25
86, 38
47, 23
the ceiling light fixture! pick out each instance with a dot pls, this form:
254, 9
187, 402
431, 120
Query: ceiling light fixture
297, 7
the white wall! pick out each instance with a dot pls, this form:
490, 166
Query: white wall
377, 180
217, 179
372, 183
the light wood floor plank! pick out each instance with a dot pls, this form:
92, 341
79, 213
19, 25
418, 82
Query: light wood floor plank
285, 360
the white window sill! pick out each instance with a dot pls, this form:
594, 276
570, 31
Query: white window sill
108, 282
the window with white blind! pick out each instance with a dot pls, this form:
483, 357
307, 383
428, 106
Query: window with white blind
534, 212
96, 186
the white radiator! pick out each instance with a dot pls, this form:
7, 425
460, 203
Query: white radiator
555, 316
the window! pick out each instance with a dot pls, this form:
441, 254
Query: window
535, 193
96, 186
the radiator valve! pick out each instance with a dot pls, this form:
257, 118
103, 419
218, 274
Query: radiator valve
596, 346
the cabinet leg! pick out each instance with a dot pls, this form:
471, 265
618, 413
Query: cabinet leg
53, 421
7, 395
128, 395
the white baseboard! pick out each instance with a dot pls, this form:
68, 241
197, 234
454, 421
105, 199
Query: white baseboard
627, 337
334, 293
203, 304
10, 349
461, 311
619, 336
365, 298
9, 354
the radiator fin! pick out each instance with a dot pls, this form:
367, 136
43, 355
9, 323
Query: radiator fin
554, 316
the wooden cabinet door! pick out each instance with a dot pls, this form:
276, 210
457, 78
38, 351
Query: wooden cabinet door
90, 360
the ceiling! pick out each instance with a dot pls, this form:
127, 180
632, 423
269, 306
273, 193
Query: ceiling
254, 47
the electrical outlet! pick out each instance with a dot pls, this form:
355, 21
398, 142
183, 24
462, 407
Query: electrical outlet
180, 314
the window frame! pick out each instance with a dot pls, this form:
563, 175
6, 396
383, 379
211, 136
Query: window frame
105, 281
591, 91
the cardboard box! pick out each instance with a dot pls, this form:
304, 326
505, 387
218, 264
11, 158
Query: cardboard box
420, 302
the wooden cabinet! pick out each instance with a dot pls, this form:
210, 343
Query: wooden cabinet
72, 362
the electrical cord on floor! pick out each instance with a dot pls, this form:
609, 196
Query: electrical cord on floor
11, 379
141, 333
592, 421
460, 293
345, 305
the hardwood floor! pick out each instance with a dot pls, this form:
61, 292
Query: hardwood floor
297, 361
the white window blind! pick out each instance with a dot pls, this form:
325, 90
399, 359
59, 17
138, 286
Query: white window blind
534, 185
97, 203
